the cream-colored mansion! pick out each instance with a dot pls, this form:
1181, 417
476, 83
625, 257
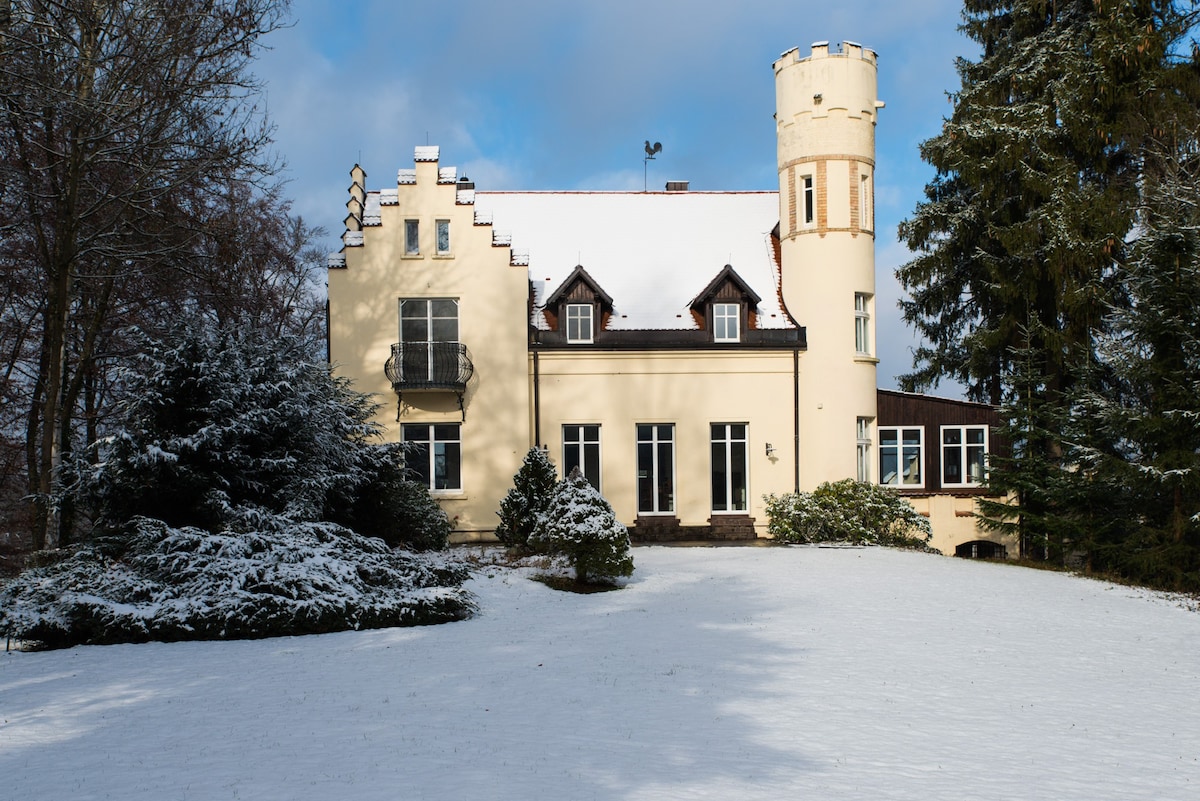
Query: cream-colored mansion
690, 351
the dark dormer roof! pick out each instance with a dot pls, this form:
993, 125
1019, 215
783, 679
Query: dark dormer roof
727, 276
577, 276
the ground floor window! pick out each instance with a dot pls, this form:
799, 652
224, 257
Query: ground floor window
581, 448
729, 469
435, 454
863, 429
656, 468
901, 454
964, 455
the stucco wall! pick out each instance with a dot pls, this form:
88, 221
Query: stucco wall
364, 323
689, 389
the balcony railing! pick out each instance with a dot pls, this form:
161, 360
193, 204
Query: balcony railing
429, 366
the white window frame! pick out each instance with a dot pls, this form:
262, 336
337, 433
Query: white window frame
723, 447
442, 234
575, 321
654, 438
862, 427
902, 451
808, 198
577, 435
412, 237
440, 441
429, 319
862, 323
727, 316
963, 448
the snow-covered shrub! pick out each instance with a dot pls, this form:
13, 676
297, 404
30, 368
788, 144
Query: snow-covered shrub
847, 511
533, 485
581, 526
223, 421
219, 509
217, 420
388, 505
184, 583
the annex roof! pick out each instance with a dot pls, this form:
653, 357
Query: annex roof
652, 252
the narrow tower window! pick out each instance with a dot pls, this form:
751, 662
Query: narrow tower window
864, 204
863, 426
810, 204
862, 323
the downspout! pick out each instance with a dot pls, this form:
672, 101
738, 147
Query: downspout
537, 403
796, 419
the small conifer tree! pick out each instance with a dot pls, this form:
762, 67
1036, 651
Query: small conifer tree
580, 525
533, 485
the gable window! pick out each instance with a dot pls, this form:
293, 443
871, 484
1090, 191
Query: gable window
964, 455
901, 455
434, 456
443, 237
656, 468
729, 469
579, 322
424, 323
412, 238
726, 322
581, 448
809, 199
862, 323
863, 431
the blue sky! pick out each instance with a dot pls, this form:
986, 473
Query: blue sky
533, 94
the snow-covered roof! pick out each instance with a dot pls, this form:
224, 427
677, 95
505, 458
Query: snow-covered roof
653, 252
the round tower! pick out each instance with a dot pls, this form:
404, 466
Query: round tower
825, 112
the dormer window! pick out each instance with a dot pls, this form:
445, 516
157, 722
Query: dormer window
725, 306
579, 322
726, 321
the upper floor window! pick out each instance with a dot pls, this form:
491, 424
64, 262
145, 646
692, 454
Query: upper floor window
964, 455
412, 237
810, 199
579, 322
863, 447
862, 323
425, 322
901, 455
726, 322
443, 237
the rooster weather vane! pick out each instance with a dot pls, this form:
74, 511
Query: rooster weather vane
651, 149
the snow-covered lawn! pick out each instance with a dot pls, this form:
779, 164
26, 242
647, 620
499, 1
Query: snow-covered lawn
730, 673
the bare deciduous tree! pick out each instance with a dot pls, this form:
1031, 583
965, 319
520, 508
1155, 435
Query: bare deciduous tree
123, 124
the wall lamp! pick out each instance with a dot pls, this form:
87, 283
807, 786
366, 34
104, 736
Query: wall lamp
770, 450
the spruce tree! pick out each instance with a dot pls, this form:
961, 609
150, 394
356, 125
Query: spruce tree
1022, 237
1036, 180
1148, 444
532, 487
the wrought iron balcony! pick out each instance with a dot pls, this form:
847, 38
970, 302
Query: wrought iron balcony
429, 366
